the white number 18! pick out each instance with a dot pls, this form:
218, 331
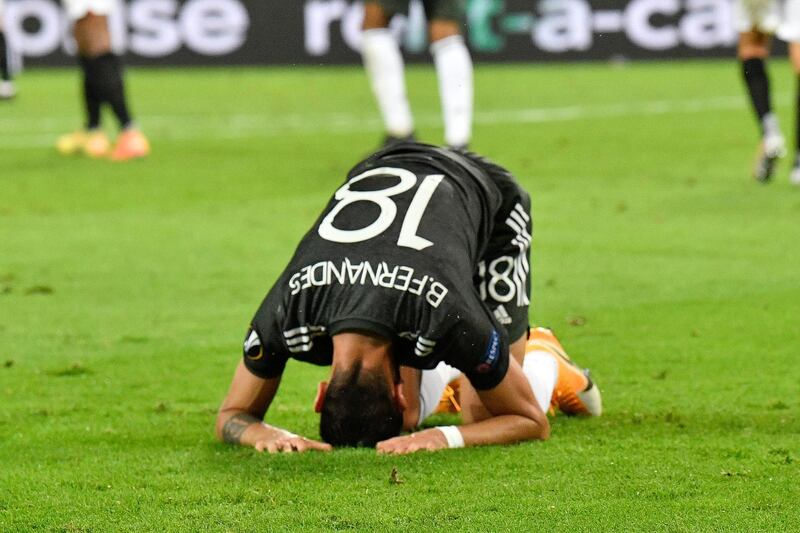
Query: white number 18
382, 198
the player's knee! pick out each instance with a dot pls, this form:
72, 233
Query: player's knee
92, 35
374, 16
794, 57
753, 52
753, 45
440, 29
545, 432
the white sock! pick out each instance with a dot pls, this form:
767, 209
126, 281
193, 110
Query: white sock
541, 369
770, 126
432, 387
384, 65
454, 70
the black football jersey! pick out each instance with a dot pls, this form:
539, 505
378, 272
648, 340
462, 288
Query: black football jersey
421, 245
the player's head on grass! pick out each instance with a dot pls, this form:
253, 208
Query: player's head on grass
361, 405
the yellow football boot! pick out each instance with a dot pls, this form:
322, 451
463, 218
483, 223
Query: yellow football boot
91, 143
71, 143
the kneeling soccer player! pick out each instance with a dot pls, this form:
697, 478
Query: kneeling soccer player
102, 84
420, 257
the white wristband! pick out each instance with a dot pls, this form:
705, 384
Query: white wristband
453, 435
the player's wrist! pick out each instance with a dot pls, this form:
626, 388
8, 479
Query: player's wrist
452, 436
289, 435
269, 433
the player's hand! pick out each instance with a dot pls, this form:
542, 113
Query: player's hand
428, 440
292, 445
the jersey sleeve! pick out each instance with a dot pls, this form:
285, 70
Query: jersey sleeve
261, 356
478, 346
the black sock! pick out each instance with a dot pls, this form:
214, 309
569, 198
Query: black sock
91, 99
755, 76
4, 72
106, 81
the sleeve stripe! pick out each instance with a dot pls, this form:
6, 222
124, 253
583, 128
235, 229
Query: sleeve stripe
518, 221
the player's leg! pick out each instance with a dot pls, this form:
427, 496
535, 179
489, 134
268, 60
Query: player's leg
92, 37
7, 90
753, 50
794, 55
453, 68
789, 31
102, 84
383, 63
93, 40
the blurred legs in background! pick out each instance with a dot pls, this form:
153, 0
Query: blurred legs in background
102, 84
756, 21
794, 55
7, 90
753, 51
383, 62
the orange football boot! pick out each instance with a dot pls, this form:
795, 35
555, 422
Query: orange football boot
574, 393
450, 402
131, 144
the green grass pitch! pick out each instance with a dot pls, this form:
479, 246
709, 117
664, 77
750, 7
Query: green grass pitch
125, 291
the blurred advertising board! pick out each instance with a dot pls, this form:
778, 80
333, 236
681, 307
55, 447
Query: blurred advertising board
226, 32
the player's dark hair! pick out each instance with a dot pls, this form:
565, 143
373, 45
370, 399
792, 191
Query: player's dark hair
359, 409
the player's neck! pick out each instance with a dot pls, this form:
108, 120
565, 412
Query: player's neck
368, 351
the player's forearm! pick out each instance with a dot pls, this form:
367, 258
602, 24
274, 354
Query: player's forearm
505, 429
241, 427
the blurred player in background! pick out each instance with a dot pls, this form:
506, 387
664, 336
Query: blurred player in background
7, 90
102, 84
756, 21
384, 65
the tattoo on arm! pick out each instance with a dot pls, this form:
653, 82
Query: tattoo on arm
236, 425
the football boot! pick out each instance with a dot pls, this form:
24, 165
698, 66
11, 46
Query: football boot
794, 175
7, 90
771, 148
575, 393
131, 144
392, 140
450, 401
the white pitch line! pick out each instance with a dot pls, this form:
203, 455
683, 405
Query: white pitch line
39, 133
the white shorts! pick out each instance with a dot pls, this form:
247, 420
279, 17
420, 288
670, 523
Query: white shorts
779, 17
77, 9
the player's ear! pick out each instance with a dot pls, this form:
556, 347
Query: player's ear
399, 397
322, 388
